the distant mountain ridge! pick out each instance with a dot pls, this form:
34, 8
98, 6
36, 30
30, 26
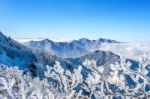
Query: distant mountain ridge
75, 48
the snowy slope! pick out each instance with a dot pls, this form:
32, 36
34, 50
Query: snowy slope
12, 53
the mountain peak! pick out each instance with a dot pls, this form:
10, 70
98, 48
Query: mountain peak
47, 40
83, 39
2, 36
1, 33
4, 39
107, 40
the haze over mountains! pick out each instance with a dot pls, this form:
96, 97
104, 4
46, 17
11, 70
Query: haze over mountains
75, 48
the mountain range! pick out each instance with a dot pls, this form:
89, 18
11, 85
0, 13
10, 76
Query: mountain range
75, 48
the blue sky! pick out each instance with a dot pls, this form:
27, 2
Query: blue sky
124, 20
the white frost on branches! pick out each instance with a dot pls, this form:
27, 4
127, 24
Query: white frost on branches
102, 82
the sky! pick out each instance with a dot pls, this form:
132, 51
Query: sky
123, 20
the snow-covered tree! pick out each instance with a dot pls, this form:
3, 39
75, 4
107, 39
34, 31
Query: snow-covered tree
15, 85
121, 80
